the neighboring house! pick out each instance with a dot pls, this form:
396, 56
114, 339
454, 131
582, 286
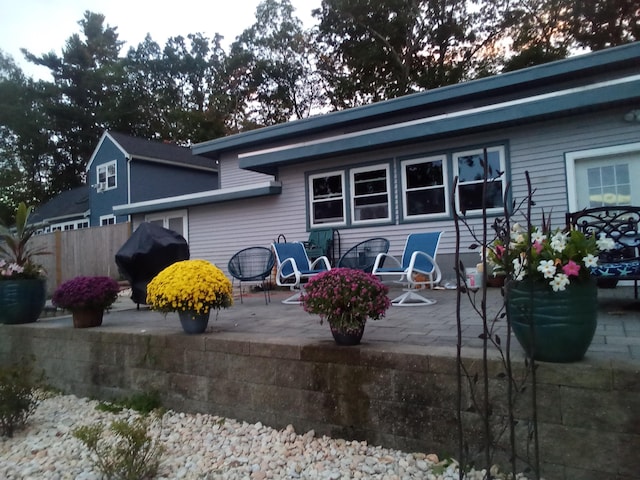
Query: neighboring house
67, 211
388, 169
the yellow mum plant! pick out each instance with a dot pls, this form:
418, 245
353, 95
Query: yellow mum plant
190, 285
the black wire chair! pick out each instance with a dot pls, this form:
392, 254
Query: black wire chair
363, 255
253, 264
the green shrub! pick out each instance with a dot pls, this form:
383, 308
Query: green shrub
18, 396
131, 455
144, 403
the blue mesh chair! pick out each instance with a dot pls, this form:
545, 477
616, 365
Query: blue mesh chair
253, 264
294, 266
417, 268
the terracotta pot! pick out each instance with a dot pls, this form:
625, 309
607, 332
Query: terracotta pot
87, 317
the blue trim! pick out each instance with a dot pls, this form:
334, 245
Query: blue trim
446, 127
213, 197
540, 76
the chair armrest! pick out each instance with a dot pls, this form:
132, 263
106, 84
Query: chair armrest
436, 269
383, 258
295, 273
324, 259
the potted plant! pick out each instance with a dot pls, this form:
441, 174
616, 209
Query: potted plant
551, 296
87, 298
346, 298
22, 281
192, 288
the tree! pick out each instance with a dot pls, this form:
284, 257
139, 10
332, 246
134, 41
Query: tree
599, 24
271, 69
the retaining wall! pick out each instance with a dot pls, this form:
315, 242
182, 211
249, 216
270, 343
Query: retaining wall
402, 397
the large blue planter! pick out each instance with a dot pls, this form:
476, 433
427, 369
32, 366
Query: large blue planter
553, 326
21, 301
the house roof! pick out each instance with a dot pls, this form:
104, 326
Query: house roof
64, 206
154, 151
472, 97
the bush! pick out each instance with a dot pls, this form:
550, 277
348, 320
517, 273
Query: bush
18, 396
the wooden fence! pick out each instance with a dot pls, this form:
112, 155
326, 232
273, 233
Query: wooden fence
88, 251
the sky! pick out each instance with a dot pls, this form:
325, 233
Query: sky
41, 26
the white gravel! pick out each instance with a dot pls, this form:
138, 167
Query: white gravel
206, 447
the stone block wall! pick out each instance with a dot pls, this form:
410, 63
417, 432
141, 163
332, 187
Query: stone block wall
402, 397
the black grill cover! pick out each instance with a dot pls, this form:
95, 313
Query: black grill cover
148, 251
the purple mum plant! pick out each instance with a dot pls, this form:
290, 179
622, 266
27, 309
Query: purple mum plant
86, 292
346, 298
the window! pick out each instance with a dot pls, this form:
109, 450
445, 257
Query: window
609, 185
424, 188
327, 199
106, 176
175, 220
107, 220
469, 167
370, 194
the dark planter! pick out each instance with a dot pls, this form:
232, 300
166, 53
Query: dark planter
87, 317
21, 301
553, 326
194, 322
347, 337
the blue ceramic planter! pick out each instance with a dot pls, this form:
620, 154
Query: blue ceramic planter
21, 301
194, 322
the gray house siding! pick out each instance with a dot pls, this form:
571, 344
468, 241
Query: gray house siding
218, 231
232, 176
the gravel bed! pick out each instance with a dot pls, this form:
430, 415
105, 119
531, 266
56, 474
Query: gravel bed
202, 446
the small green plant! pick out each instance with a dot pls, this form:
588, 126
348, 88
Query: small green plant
144, 403
18, 396
132, 454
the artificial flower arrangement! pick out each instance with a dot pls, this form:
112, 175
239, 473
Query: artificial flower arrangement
190, 285
553, 257
86, 293
346, 298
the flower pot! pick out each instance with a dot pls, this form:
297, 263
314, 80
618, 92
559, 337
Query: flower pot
553, 326
347, 337
21, 301
87, 317
193, 322
495, 281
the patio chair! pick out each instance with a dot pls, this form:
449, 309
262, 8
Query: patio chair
418, 268
320, 243
363, 255
253, 264
294, 266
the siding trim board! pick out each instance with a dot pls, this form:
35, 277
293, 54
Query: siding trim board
200, 198
524, 110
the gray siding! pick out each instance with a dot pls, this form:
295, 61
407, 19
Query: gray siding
232, 176
217, 231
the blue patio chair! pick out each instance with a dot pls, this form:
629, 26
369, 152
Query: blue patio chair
363, 255
294, 266
253, 264
418, 268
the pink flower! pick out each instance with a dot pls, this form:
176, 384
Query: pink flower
571, 268
499, 251
537, 246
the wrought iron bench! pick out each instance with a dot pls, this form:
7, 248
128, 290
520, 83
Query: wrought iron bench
619, 223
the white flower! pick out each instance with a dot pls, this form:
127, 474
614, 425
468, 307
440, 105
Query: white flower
559, 241
605, 243
559, 282
590, 260
547, 268
519, 270
537, 236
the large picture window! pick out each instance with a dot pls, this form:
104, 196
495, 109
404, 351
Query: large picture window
107, 178
469, 166
327, 199
370, 188
424, 187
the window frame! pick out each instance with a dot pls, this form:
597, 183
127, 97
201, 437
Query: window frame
105, 220
455, 155
167, 216
353, 171
404, 162
105, 167
311, 201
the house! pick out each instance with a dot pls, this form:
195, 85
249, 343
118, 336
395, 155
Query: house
66, 211
125, 169
388, 169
